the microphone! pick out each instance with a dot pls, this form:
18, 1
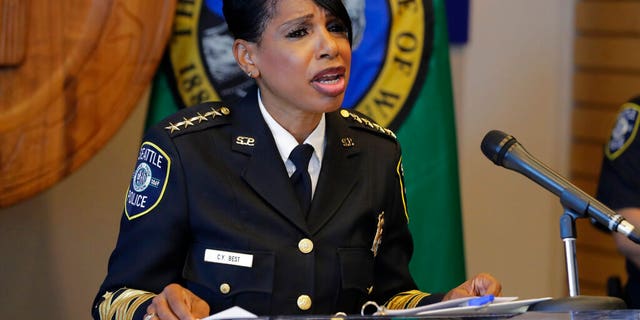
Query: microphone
504, 150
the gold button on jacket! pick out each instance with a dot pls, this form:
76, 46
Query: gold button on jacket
304, 302
225, 288
305, 245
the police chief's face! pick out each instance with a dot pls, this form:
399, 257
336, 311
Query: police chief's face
303, 58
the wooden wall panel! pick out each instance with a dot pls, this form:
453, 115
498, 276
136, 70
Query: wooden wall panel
598, 241
597, 258
593, 124
604, 90
607, 74
590, 289
608, 16
587, 184
586, 159
607, 52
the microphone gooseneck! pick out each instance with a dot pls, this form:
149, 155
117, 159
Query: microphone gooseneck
504, 150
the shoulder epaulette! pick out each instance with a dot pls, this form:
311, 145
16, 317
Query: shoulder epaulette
196, 118
366, 123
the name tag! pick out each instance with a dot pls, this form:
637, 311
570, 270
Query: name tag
226, 257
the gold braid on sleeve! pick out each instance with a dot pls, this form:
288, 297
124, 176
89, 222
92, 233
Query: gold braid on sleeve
122, 304
406, 300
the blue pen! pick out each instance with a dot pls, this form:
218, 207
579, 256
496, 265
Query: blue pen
480, 301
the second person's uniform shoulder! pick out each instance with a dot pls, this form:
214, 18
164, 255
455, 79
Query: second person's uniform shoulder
624, 135
196, 118
362, 122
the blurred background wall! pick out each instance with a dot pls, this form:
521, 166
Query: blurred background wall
514, 74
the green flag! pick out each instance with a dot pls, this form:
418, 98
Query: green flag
400, 77
162, 101
428, 138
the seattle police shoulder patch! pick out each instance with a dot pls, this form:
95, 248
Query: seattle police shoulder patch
148, 182
624, 132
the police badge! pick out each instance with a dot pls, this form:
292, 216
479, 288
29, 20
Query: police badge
377, 239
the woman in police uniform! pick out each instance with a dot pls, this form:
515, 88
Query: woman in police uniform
213, 219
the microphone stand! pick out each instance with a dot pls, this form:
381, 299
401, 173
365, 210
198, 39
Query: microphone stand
575, 302
568, 235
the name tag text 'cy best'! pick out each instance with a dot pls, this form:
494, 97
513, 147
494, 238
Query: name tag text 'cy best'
226, 257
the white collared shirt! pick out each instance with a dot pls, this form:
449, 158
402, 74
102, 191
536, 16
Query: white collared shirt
285, 142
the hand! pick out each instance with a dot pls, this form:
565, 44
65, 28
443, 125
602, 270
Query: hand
479, 285
176, 302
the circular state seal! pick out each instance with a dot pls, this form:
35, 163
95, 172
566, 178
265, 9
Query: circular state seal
141, 177
392, 42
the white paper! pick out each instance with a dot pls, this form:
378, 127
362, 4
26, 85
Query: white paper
232, 313
459, 306
517, 306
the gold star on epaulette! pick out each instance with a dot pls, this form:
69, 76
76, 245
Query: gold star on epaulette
172, 127
213, 113
188, 122
201, 118
346, 114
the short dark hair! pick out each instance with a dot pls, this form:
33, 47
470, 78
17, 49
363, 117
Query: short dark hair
247, 19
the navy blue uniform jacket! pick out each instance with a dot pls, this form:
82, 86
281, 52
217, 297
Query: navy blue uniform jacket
218, 184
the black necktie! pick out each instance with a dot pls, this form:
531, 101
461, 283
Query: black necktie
301, 179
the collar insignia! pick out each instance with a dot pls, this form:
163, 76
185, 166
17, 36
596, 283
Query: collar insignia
347, 142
